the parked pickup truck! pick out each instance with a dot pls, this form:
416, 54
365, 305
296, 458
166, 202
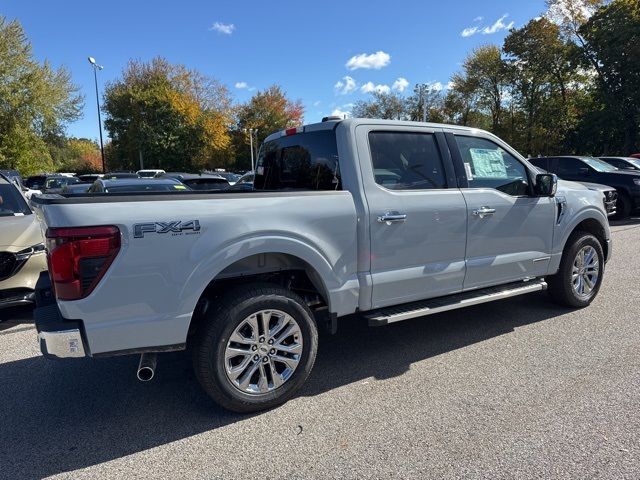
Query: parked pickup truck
390, 220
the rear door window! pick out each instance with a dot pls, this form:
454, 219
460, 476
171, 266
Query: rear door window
304, 161
406, 160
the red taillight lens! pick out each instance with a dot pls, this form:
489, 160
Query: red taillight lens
79, 257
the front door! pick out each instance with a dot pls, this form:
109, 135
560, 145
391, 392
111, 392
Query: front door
510, 231
417, 215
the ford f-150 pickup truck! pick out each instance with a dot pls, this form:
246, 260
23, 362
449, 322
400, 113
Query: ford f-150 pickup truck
388, 220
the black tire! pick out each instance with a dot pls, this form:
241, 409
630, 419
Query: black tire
561, 284
214, 334
623, 206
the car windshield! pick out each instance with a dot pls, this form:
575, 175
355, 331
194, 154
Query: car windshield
232, 177
11, 202
146, 187
598, 165
634, 161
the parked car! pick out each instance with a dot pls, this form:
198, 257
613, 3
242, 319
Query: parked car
22, 256
198, 181
609, 196
35, 182
90, 177
589, 169
246, 279
55, 184
244, 183
623, 163
150, 173
230, 177
130, 185
117, 175
80, 187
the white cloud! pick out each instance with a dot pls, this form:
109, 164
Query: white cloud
241, 85
317, 103
369, 87
340, 113
345, 86
478, 19
467, 32
450, 85
437, 86
372, 61
400, 84
497, 26
226, 28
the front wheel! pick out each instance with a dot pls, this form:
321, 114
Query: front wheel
581, 269
256, 349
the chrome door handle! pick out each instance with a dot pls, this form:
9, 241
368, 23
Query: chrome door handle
392, 217
484, 212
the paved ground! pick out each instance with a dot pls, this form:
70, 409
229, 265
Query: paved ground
518, 389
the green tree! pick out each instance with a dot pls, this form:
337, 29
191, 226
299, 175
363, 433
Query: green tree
36, 102
612, 48
168, 116
425, 104
385, 105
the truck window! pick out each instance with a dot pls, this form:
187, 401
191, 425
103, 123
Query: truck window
488, 165
406, 160
304, 161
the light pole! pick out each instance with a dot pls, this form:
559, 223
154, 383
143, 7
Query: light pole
251, 131
97, 67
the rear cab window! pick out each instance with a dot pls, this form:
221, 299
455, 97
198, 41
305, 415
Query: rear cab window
303, 161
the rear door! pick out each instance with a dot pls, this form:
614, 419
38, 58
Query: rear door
417, 215
509, 230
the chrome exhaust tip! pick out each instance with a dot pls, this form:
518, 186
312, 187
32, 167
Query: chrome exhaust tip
147, 367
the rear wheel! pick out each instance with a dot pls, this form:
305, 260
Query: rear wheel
581, 269
256, 349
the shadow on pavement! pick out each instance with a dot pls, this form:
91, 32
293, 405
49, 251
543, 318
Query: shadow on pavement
58, 416
10, 317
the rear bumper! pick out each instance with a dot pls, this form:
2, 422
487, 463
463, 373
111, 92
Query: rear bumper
58, 337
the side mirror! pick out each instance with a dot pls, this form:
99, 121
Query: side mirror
546, 184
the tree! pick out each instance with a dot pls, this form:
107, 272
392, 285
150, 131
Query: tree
426, 103
612, 46
79, 155
166, 116
36, 102
385, 105
267, 111
486, 70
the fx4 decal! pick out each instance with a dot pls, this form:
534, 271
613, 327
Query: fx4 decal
174, 228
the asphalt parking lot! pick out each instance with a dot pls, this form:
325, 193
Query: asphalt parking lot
517, 389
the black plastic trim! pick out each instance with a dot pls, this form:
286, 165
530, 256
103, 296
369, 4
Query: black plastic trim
138, 351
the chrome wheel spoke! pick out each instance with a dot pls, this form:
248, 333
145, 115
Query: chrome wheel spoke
585, 272
263, 352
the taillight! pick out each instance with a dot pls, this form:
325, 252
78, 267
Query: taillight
79, 257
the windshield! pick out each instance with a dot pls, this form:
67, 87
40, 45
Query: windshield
634, 161
232, 177
598, 165
11, 202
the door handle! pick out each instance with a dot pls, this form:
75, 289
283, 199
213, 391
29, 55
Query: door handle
484, 212
392, 217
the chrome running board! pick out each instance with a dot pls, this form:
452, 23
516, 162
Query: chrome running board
397, 313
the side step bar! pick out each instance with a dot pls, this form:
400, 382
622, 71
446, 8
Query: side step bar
397, 313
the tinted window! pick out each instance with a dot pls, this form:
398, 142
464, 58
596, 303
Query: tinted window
305, 161
11, 202
206, 183
542, 163
569, 166
406, 160
488, 165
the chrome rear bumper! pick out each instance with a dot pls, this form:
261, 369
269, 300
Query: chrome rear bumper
62, 344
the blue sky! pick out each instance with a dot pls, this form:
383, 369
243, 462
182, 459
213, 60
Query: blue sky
327, 54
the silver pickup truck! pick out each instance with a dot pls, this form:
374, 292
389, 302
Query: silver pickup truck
385, 219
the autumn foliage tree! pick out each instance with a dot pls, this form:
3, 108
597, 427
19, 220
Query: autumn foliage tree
267, 111
167, 116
